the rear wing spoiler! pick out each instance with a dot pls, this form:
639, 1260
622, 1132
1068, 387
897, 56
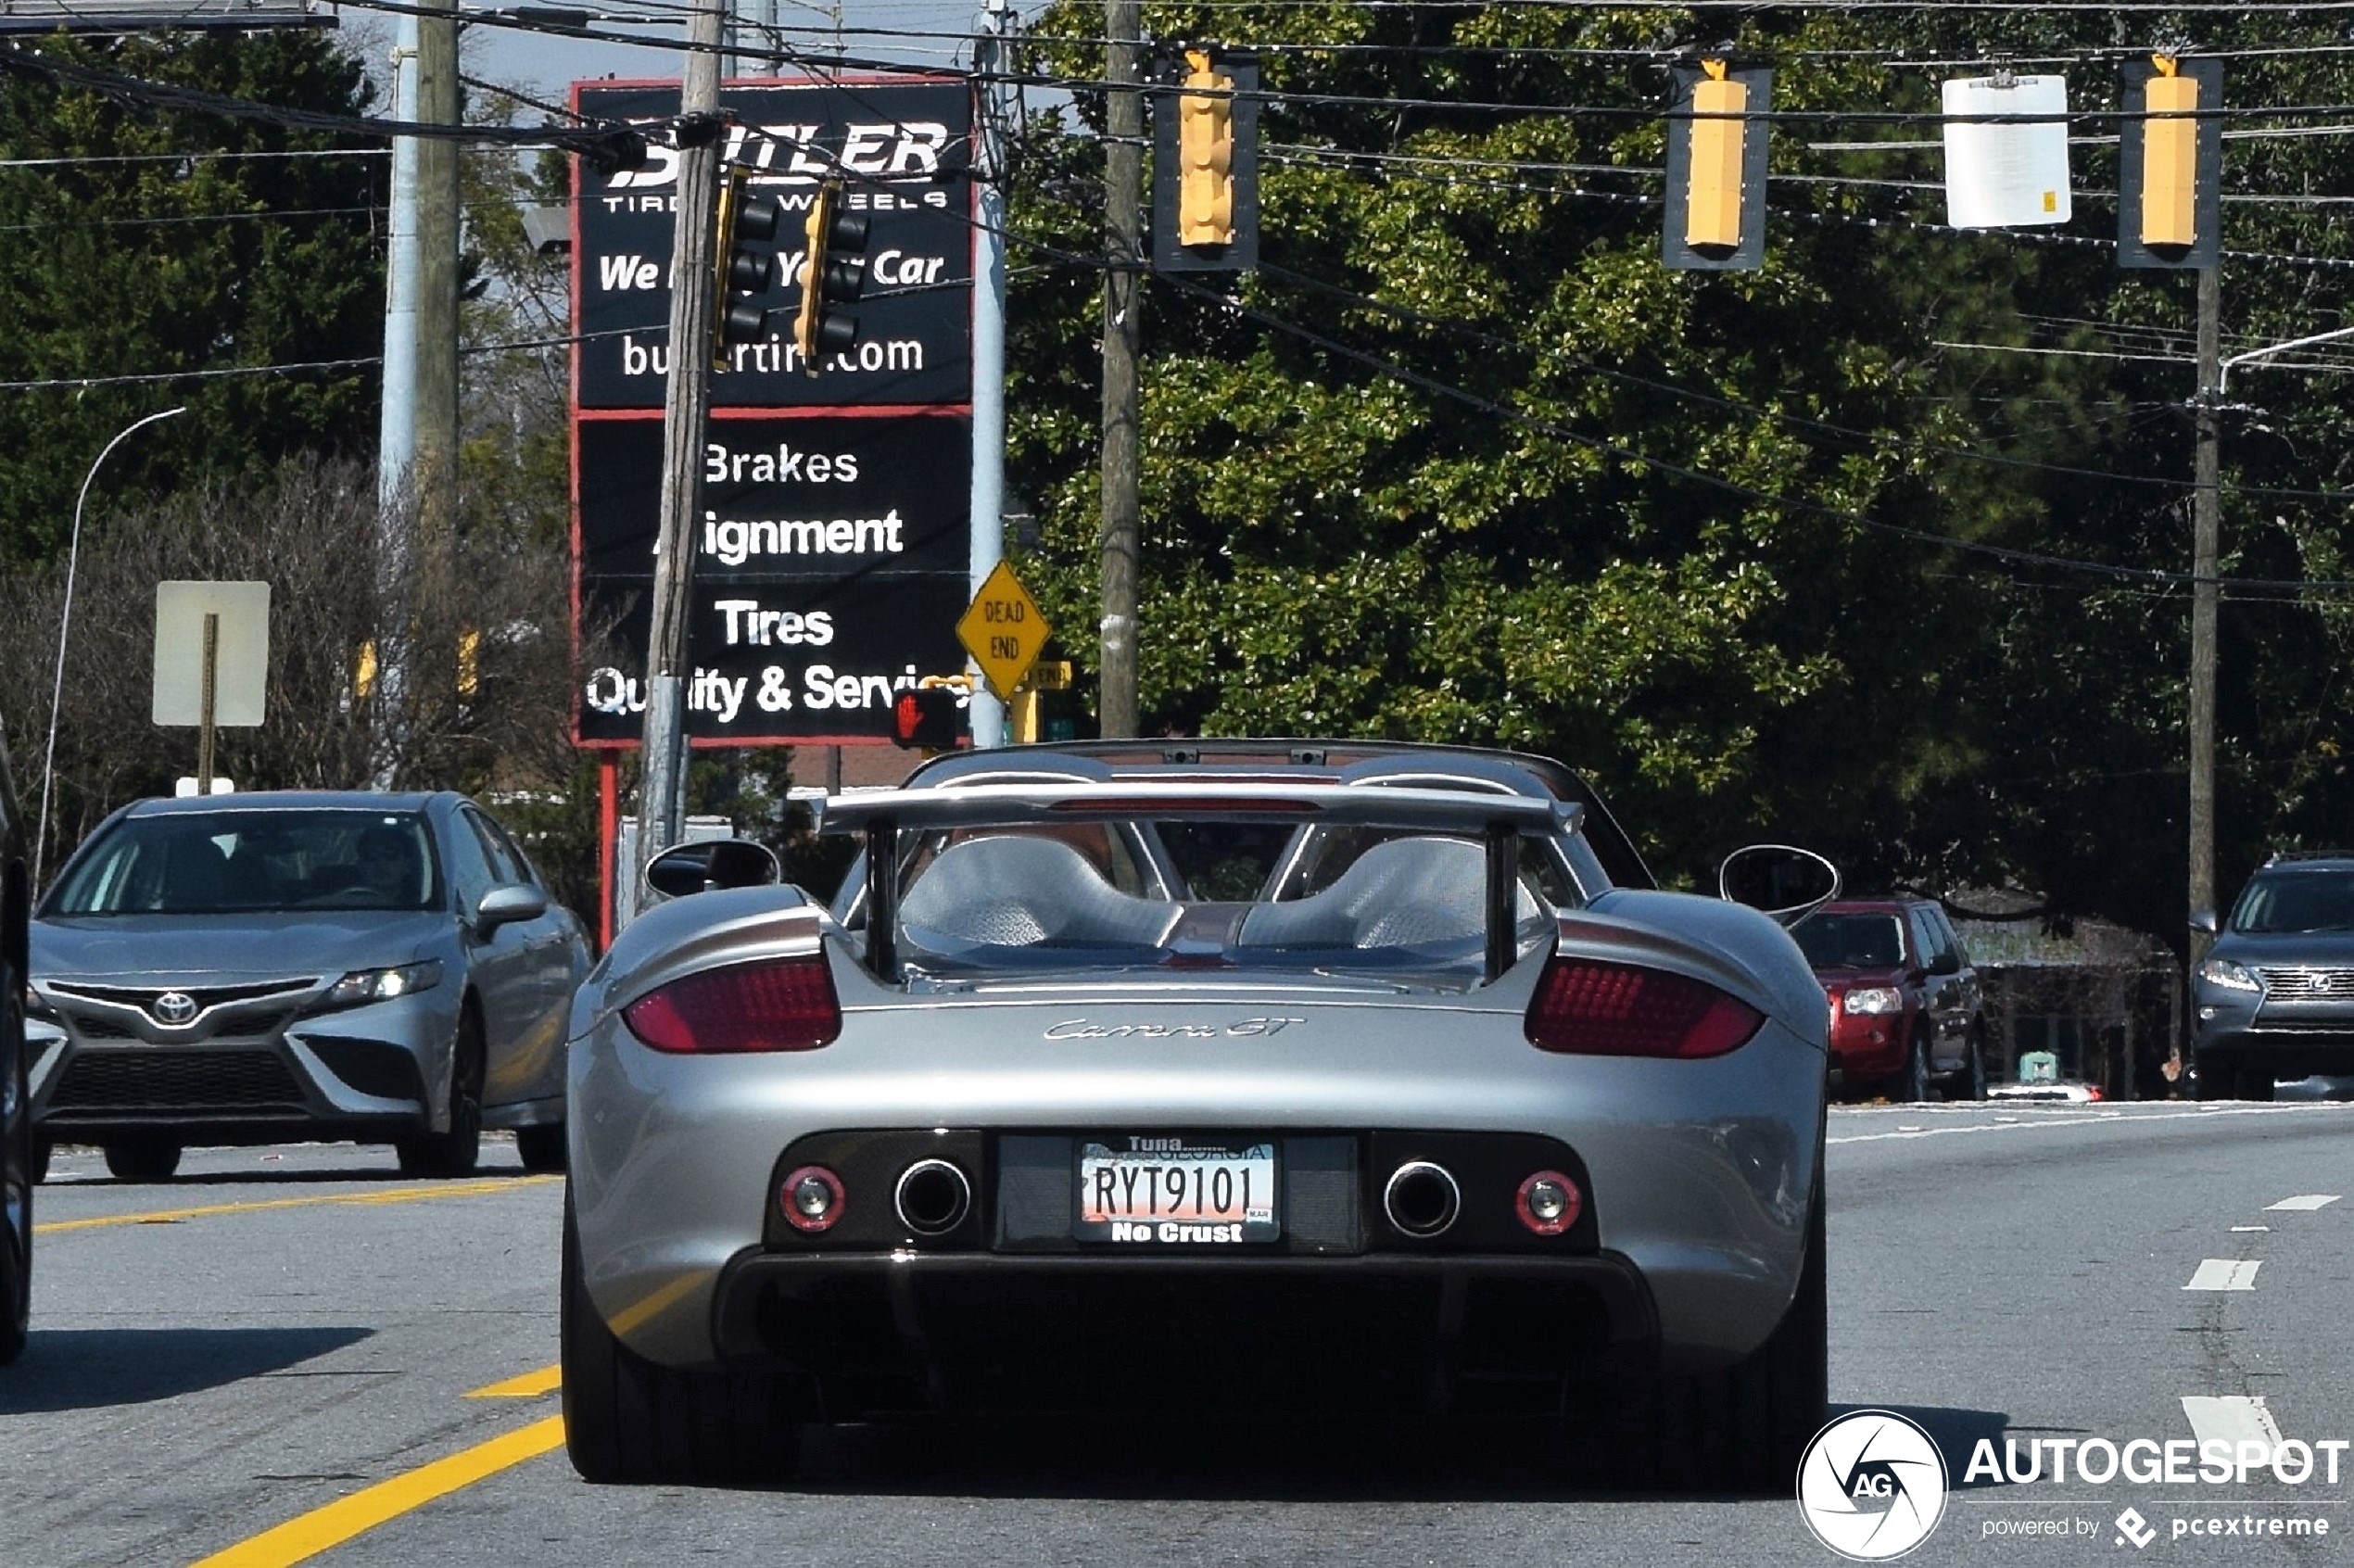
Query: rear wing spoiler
1500, 820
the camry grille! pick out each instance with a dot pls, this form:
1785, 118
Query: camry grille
165, 1081
2287, 983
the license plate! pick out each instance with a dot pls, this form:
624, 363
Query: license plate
1180, 1191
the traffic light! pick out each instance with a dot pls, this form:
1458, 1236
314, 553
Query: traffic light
925, 716
1206, 165
833, 272
1716, 168
746, 223
2170, 163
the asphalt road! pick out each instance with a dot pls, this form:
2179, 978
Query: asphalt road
290, 1352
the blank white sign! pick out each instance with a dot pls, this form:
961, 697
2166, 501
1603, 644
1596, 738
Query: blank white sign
241, 653
2002, 176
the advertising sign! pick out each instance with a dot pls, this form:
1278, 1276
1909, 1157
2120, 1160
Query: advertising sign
903, 147
831, 567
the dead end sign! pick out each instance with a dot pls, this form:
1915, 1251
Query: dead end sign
1004, 630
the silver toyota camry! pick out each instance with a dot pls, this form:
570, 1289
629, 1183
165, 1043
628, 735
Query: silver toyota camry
293, 965
1226, 1078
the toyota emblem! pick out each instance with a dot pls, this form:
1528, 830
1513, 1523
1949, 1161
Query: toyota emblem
175, 1008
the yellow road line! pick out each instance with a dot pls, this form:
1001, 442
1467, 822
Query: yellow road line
530, 1385
298, 1539
395, 1195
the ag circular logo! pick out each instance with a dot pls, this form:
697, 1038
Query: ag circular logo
1872, 1485
175, 1008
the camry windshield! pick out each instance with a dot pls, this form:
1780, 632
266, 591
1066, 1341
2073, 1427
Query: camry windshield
1850, 941
2297, 901
225, 862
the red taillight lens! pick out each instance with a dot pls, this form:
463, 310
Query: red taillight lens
1619, 1010
778, 1007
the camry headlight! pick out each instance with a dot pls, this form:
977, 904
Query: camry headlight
1870, 999
382, 985
2230, 976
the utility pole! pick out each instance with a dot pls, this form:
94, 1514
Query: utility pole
1124, 181
987, 509
686, 405
397, 431
2206, 535
434, 476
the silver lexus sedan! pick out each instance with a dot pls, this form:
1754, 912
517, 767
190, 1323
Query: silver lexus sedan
1222, 1078
277, 966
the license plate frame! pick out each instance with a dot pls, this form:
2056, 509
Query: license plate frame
1184, 1190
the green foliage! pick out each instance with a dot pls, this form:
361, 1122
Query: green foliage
1463, 461
122, 263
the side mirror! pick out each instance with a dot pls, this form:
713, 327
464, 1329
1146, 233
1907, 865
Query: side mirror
1945, 964
2205, 920
1780, 880
712, 862
508, 903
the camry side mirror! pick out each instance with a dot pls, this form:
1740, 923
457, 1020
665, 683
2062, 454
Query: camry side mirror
708, 864
2205, 920
508, 903
1780, 880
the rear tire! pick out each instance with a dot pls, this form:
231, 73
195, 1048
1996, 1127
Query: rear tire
628, 1420
455, 1152
1972, 1082
142, 1161
43, 1149
1741, 1431
541, 1149
16, 1301
2216, 1079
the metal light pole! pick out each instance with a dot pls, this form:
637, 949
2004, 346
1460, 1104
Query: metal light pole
65, 626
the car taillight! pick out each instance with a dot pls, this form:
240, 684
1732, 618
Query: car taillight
787, 1005
1619, 1010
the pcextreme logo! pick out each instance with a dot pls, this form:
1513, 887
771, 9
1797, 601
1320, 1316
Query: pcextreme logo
1871, 1486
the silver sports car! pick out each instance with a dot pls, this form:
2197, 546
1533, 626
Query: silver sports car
1209, 1077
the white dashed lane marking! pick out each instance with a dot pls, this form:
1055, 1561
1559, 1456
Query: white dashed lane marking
2309, 1201
2236, 1419
2225, 1274
2251, 1226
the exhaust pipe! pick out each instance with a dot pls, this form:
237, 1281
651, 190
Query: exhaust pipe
1422, 1200
932, 1197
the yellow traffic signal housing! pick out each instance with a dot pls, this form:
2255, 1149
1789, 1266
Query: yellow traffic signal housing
743, 225
833, 272
1715, 219
1205, 207
1205, 151
2170, 159
1712, 207
2170, 164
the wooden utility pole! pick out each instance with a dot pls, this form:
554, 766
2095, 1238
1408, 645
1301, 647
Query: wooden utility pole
2205, 535
436, 477
687, 403
1124, 181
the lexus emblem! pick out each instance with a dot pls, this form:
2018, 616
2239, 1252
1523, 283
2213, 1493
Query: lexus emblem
175, 1008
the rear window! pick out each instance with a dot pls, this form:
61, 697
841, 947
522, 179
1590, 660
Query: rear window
1017, 899
1852, 941
226, 862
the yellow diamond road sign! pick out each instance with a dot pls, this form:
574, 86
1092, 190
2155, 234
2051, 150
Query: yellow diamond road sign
1004, 630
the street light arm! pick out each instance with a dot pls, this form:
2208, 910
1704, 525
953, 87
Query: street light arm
65, 624
2224, 371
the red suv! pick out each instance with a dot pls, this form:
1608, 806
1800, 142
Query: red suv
1906, 1011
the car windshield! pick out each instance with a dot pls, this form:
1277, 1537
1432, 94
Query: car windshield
1026, 898
217, 863
1852, 941
2297, 901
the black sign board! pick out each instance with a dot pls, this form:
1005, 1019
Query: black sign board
830, 566
901, 145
